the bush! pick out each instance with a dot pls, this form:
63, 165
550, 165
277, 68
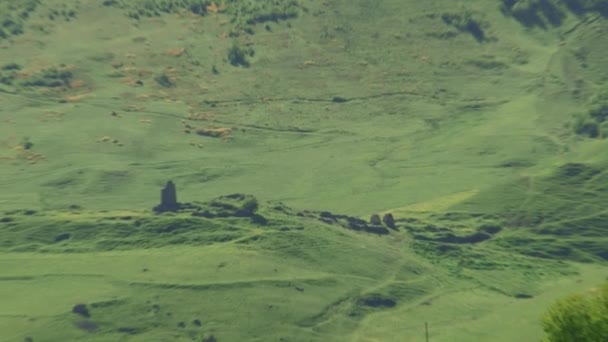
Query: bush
249, 207
164, 81
604, 130
466, 23
237, 56
581, 317
587, 126
13, 15
11, 66
51, 78
27, 144
599, 112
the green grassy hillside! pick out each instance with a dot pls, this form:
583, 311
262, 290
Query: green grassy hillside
294, 277
480, 126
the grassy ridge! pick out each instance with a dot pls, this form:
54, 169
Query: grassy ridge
292, 277
262, 286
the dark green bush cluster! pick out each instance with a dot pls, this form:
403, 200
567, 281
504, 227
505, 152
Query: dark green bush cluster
594, 123
66, 14
466, 23
541, 13
237, 56
243, 12
164, 81
256, 11
246, 13
13, 15
51, 78
579, 317
8, 73
137, 9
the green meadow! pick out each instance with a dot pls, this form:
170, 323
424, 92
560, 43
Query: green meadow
480, 126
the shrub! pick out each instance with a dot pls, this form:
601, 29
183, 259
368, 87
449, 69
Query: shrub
249, 207
587, 126
580, 317
237, 56
27, 144
164, 81
51, 78
11, 66
465, 23
82, 310
13, 15
599, 112
490, 228
604, 129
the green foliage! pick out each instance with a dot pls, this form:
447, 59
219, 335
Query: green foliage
467, 23
582, 317
249, 207
599, 112
563, 216
237, 55
8, 73
542, 13
27, 144
604, 129
587, 127
11, 66
13, 15
242, 12
164, 81
255, 11
591, 124
51, 78
66, 13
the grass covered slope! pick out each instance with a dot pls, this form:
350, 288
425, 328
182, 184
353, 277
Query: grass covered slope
330, 105
74, 275
480, 126
562, 214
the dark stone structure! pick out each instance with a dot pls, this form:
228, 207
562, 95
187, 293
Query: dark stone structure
389, 220
168, 199
375, 220
348, 222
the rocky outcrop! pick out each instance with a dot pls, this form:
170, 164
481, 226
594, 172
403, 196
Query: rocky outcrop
349, 222
234, 205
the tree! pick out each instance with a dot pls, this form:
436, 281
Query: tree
579, 317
